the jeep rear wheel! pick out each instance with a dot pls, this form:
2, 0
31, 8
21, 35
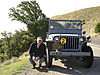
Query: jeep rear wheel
48, 59
87, 61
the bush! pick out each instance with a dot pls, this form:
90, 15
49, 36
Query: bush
97, 28
13, 45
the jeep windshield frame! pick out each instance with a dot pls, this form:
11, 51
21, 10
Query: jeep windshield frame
65, 26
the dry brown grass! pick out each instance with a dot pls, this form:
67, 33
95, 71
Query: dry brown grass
90, 15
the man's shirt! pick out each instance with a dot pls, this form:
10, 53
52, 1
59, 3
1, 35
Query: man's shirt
37, 51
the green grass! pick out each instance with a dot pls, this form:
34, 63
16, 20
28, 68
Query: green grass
14, 68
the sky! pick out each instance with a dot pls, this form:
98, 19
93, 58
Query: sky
49, 7
58, 7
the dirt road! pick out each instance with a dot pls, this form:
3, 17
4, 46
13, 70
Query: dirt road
69, 68
95, 40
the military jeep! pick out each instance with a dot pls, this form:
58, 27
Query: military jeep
66, 39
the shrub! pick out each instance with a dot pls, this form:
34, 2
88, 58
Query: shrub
97, 28
14, 45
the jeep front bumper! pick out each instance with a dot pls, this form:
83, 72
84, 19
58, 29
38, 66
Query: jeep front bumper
54, 53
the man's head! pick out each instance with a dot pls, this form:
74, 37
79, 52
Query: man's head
39, 40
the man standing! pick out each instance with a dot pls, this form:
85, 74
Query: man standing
37, 49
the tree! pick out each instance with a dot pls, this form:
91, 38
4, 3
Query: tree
29, 12
20, 42
97, 28
6, 42
13, 45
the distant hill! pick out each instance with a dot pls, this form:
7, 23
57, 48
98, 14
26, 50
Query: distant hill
90, 15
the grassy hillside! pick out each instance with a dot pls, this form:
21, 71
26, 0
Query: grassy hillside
90, 15
15, 67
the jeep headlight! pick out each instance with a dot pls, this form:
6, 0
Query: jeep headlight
81, 39
88, 38
56, 38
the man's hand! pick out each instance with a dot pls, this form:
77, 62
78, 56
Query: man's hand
36, 58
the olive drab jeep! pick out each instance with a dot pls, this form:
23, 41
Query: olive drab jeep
66, 39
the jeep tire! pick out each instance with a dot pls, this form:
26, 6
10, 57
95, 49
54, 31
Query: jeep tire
87, 61
48, 59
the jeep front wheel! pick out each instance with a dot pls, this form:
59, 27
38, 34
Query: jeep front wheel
87, 61
48, 59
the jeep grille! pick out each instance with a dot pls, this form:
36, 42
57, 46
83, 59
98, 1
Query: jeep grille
72, 42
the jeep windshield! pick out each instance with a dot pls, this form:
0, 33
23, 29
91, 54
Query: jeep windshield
65, 26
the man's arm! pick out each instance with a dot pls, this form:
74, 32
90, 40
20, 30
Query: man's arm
44, 49
31, 50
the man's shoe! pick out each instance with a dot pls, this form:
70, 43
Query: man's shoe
40, 65
33, 67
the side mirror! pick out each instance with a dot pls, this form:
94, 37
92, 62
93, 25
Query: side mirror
84, 32
88, 38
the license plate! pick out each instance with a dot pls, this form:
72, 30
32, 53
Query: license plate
56, 53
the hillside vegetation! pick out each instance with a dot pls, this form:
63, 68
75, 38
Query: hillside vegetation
90, 15
15, 67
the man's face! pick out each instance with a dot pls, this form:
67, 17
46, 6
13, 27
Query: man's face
39, 41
